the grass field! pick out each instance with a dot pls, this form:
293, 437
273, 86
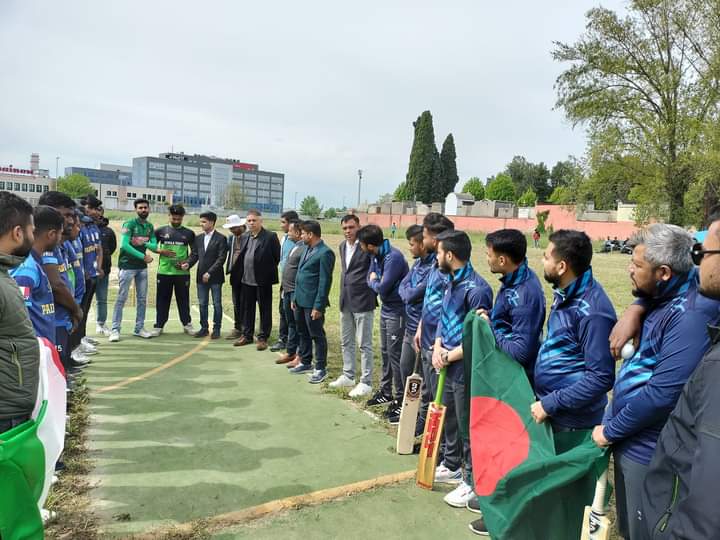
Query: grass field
185, 429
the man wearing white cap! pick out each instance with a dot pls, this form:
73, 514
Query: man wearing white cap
237, 227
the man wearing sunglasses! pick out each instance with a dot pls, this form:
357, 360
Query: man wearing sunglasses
679, 496
672, 341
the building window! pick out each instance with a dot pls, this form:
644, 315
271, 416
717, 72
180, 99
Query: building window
2, 185
45, 188
172, 167
32, 188
190, 170
17, 186
173, 176
156, 165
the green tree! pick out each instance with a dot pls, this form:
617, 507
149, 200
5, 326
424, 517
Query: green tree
566, 173
500, 188
652, 78
562, 195
330, 213
386, 198
310, 207
475, 187
529, 198
75, 185
437, 179
449, 163
526, 175
424, 164
234, 197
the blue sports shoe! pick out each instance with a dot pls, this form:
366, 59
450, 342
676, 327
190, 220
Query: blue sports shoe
318, 376
301, 368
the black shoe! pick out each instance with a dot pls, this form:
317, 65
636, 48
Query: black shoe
478, 527
278, 346
378, 399
201, 333
419, 427
215, 334
393, 409
474, 505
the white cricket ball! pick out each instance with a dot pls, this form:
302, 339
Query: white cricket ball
627, 351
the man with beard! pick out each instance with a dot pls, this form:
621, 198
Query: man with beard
137, 237
285, 249
19, 350
679, 496
574, 368
56, 264
672, 342
466, 291
32, 279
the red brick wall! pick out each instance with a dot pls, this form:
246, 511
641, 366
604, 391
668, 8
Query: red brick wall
559, 218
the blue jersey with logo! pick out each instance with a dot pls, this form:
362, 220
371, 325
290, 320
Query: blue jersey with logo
672, 342
75, 255
432, 306
412, 291
59, 258
90, 238
574, 368
36, 291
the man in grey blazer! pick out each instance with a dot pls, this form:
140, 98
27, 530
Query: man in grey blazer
357, 311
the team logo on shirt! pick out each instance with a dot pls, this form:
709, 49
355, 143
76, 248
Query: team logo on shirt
25, 291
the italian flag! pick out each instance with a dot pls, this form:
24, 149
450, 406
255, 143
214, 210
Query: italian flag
531, 485
29, 451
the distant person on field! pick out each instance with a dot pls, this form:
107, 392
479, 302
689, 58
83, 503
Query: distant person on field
289, 273
536, 238
393, 230
236, 225
108, 242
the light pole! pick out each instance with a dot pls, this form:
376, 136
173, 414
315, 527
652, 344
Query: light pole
359, 184
57, 160
295, 205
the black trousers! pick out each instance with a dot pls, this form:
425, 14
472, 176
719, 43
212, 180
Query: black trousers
260, 295
79, 333
283, 330
166, 285
237, 299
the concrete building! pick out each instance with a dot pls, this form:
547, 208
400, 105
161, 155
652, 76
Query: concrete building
102, 176
26, 183
455, 203
203, 181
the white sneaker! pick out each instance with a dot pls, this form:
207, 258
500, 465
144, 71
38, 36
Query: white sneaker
114, 336
188, 329
360, 390
142, 333
460, 496
342, 382
102, 330
155, 332
79, 358
90, 341
47, 515
54, 480
443, 475
86, 349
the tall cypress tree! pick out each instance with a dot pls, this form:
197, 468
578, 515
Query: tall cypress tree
422, 165
449, 163
437, 179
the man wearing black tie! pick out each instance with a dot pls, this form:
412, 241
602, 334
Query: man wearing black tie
237, 228
357, 310
209, 252
259, 257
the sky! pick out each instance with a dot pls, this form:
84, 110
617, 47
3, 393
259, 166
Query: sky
314, 89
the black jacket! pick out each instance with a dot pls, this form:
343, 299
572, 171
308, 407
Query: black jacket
266, 260
355, 295
209, 261
680, 495
109, 244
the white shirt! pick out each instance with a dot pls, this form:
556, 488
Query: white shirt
350, 251
208, 236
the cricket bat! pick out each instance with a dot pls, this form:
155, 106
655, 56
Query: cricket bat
432, 437
596, 525
409, 411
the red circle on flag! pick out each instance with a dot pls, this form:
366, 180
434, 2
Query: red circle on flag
499, 442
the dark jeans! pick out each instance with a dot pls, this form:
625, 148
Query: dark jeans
392, 330
284, 321
629, 479
407, 359
203, 292
166, 285
9, 423
62, 338
237, 304
457, 447
292, 337
311, 332
262, 296
87, 299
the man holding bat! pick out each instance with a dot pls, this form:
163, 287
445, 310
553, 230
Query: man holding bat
466, 291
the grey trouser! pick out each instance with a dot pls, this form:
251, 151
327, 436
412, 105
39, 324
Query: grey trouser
457, 447
629, 479
407, 358
392, 330
357, 331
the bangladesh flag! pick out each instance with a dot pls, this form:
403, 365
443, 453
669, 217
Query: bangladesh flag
29, 451
531, 485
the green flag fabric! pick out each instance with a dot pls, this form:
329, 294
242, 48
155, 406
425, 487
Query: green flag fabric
531, 484
22, 477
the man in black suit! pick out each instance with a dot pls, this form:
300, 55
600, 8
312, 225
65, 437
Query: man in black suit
259, 257
357, 310
209, 252
237, 227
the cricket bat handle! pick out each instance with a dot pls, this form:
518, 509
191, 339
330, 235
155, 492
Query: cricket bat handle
598, 505
440, 387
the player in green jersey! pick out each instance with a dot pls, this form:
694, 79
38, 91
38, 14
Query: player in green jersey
171, 277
